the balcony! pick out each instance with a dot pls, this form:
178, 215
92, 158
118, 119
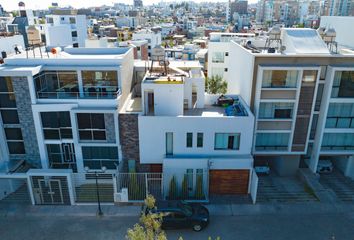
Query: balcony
78, 95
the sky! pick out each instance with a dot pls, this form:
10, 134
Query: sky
43, 4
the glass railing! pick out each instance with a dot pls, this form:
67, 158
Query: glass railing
78, 95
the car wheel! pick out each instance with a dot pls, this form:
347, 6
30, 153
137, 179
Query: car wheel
197, 227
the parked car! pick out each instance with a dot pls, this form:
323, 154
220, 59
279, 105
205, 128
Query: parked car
262, 168
180, 214
324, 166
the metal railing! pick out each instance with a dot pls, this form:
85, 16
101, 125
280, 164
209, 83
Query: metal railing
78, 95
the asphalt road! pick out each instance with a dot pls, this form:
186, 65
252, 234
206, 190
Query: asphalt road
272, 227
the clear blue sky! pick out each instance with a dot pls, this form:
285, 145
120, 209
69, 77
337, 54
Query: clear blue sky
42, 4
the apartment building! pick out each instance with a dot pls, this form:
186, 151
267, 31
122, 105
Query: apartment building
60, 113
153, 36
66, 28
302, 96
182, 132
218, 54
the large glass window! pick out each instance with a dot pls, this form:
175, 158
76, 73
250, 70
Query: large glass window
272, 141
169, 143
98, 157
276, 110
8, 109
338, 141
227, 141
343, 85
7, 100
189, 140
91, 126
340, 115
6, 85
9, 117
218, 57
57, 84
100, 83
200, 140
61, 155
56, 125
14, 140
280, 78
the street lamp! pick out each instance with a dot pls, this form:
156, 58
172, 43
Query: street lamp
96, 172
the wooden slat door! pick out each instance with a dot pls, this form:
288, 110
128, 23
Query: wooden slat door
228, 181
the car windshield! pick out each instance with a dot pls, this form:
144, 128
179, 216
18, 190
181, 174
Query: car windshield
186, 209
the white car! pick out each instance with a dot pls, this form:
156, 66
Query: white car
324, 166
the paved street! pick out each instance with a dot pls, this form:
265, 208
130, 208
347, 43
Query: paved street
266, 226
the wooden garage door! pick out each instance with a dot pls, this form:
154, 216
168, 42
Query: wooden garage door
228, 181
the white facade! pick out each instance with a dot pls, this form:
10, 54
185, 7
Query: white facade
64, 29
7, 44
341, 26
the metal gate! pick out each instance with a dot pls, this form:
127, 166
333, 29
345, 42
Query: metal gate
50, 190
136, 186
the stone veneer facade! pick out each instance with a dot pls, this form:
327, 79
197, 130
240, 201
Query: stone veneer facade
24, 110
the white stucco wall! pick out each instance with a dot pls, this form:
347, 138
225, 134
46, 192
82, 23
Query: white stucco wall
241, 72
58, 36
152, 131
342, 25
7, 44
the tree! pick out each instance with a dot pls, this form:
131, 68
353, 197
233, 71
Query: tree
184, 194
199, 191
216, 84
173, 190
150, 224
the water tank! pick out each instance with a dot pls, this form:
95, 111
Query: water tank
329, 35
321, 31
274, 33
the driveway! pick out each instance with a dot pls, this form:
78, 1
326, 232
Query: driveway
342, 186
273, 188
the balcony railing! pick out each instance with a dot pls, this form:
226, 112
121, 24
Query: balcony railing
78, 95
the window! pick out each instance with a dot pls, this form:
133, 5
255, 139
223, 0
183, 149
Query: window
6, 85
275, 110
62, 18
61, 155
13, 133
169, 143
226, 54
338, 141
309, 75
91, 126
75, 45
217, 57
98, 157
7, 100
56, 125
56, 84
227, 141
16, 147
9, 117
189, 140
319, 97
199, 140
272, 141
343, 85
225, 69
280, 79
340, 115
103, 84
72, 20
74, 34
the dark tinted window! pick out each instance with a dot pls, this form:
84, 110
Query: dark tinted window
16, 147
13, 134
9, 117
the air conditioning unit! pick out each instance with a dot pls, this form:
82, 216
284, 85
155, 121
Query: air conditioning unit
121, 196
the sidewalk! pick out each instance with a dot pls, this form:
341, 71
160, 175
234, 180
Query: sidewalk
214, 209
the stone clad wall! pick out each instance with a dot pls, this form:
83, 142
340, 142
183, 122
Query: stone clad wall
24, 110
110, 129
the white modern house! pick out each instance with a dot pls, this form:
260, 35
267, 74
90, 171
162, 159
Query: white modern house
302, 97
184, 133
64, 30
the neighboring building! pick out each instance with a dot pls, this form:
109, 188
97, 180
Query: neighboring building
7, 44
153, 36
218, 55
303, 100
239, 6
338, 8
64, 30
138, 3
341, 25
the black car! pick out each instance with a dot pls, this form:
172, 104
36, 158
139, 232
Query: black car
180, 214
